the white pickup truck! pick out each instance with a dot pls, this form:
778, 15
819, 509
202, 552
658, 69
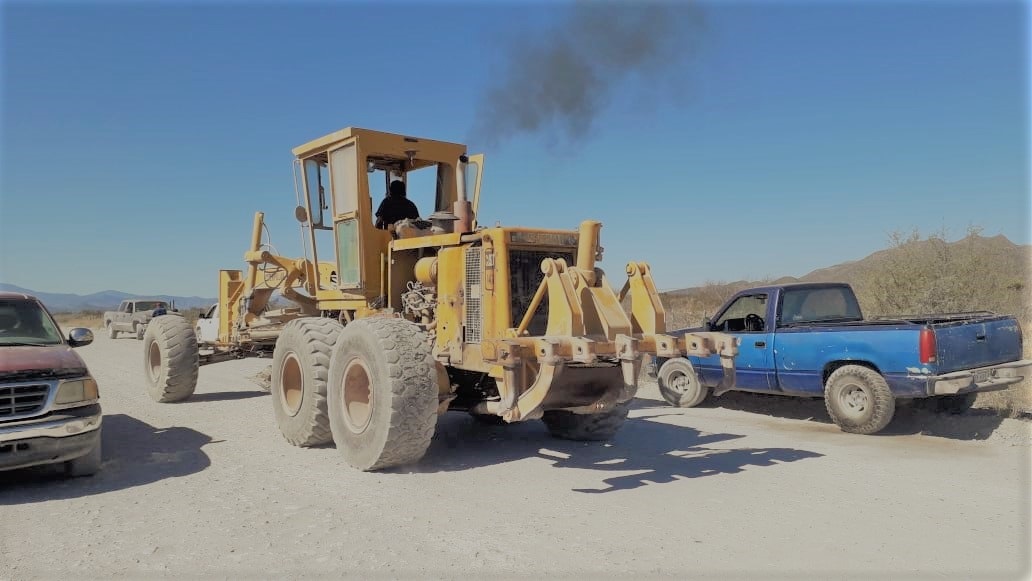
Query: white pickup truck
133, 315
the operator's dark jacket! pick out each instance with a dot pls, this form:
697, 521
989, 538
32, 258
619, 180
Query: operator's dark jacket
395, 207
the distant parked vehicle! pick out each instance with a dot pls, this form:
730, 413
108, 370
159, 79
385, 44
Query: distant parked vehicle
812, 340
49, 403
133, 315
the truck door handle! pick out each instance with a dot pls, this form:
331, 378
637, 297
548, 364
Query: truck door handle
760, 343
979, 337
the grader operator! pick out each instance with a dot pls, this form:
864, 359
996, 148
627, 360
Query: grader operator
394, 327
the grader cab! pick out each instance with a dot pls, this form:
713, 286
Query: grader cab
392, 327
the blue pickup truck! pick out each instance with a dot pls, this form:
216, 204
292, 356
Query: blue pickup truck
812, 340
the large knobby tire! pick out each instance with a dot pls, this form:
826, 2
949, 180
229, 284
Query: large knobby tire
382, 393
858, 399
300, 364
571, 426
170, 359
679, 384
111, 332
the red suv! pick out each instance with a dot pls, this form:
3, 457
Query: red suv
49, 403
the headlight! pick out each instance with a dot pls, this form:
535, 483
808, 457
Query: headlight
77, 390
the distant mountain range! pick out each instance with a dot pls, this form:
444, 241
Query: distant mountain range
102, 301
1009, 257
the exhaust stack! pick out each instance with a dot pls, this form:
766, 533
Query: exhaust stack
463, 210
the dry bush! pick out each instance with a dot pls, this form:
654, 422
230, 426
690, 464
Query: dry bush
920, 275
88, 319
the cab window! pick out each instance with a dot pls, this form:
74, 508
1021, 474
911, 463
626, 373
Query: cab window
744, 315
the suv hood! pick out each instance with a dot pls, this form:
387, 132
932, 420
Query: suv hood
29, 362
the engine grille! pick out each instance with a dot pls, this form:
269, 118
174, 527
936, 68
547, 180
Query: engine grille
16, 400
525, 277
474, 329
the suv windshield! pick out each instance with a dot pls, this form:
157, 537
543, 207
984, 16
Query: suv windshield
24, 322
150, 305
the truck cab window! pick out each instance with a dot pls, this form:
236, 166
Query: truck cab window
816, 305
746, 314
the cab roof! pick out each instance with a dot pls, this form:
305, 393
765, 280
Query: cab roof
400, 142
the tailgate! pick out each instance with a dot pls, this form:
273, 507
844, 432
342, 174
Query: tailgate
966, 345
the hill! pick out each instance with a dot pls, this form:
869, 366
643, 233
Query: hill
100, 301
913, 275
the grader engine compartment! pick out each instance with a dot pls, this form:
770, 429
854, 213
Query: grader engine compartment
400, 313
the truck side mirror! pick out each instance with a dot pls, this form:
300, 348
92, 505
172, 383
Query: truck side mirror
706, 324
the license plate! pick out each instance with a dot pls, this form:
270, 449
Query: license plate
981, 376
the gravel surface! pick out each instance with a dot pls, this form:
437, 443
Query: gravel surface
748, 487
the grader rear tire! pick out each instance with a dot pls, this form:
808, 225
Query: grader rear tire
170, 359
300, 364
571, 426
382, 393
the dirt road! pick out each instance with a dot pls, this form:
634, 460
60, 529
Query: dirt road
209, 488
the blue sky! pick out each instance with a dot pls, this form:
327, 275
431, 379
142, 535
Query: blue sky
139, 138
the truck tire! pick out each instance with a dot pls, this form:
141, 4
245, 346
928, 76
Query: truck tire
300, 364
170, 359
858, 399
138, 331
382, 393
571, 426
111, 332
86, 465
679, 384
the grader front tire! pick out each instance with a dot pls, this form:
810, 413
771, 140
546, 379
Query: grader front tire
170, 359
300, 364
382, 393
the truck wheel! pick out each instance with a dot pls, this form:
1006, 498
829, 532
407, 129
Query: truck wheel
86, 465
382, 393
571, 426
679, 384
138, 331
170, 359
111, 332
858, 400
300, 364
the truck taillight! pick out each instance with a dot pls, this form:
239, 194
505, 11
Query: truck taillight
927, 346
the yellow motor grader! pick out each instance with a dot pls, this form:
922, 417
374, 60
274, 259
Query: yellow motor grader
389, 328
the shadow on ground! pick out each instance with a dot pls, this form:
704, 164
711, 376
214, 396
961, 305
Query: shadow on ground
974, 424
652, 452
134, 453
223, 396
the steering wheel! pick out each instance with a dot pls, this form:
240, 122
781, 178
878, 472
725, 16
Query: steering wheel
753, 322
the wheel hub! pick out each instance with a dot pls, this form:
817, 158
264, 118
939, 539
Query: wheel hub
855, 400
680, 383
357, 395
291, 385
154, 361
